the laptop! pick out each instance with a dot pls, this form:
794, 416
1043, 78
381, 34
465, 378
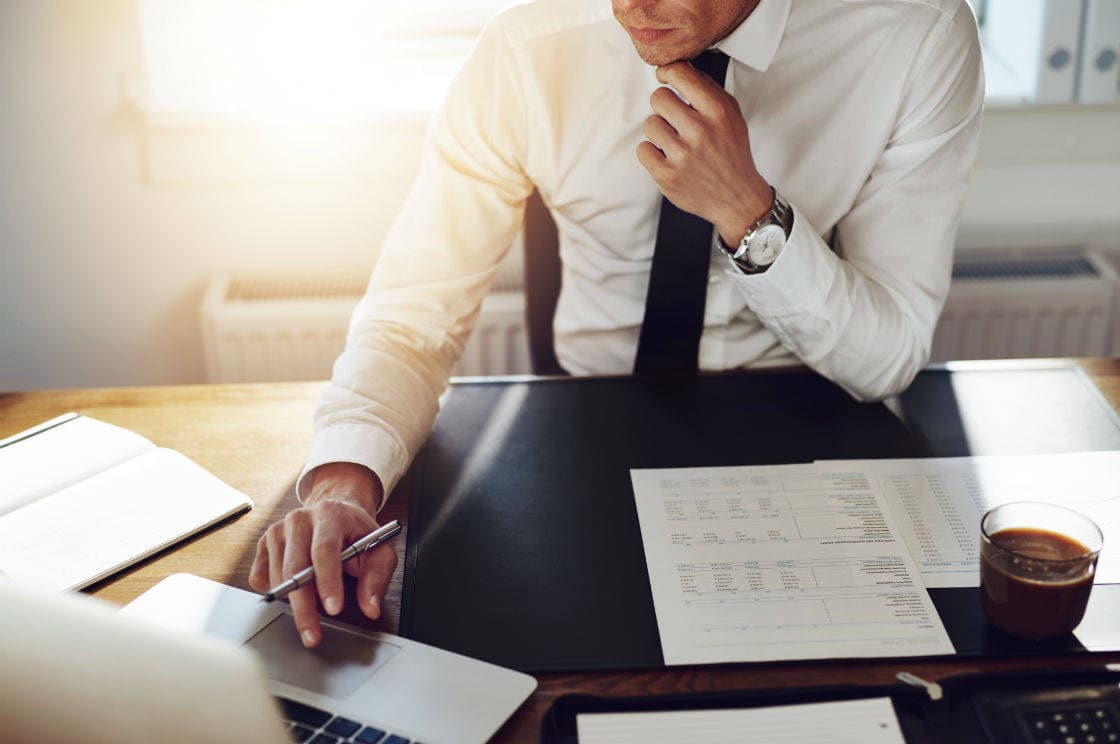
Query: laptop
172, 667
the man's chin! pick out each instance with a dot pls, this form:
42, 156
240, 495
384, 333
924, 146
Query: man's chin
657, 56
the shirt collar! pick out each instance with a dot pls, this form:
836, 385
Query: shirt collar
755, 41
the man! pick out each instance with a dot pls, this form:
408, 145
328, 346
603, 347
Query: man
832, 163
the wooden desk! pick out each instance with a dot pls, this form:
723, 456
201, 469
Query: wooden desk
255, 438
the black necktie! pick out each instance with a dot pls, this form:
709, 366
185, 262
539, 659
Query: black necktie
678, 279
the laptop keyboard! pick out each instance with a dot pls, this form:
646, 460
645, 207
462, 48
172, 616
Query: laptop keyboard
317, 726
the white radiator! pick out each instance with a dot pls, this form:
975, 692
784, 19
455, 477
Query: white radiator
258, 329
1008, 305
1001, 305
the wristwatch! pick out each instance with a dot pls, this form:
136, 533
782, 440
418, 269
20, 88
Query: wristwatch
764, 240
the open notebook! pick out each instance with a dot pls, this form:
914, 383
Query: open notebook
81, 499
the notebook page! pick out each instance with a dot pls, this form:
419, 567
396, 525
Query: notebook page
94, 528
61, 456
870, 721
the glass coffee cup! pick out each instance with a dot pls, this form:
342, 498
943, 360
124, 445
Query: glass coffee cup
1037, 563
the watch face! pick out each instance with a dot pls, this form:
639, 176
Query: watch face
767, 244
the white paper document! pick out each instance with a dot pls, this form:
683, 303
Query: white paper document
938, 503
779, 562
870, 721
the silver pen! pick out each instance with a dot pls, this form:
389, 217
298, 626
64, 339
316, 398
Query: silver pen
369, 542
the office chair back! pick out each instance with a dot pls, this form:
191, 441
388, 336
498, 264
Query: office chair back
542, 285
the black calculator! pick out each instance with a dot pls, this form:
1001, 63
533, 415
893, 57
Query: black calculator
1080, 714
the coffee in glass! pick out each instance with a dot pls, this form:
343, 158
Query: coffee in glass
1037, 563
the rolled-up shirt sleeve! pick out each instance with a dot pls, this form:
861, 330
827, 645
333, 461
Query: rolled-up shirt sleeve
863, 311
434, 268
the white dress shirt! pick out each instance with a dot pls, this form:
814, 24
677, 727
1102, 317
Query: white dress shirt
864, 114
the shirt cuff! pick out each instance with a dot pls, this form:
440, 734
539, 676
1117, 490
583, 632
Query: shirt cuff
799, 279
360, 444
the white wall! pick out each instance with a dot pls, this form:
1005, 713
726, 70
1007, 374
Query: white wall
109, 230
100, 272
1046, 176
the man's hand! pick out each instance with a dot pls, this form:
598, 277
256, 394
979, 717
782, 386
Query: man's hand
339, 510
700, 154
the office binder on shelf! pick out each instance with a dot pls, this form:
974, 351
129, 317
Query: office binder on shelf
1081, 705
1100, 53
1032, 49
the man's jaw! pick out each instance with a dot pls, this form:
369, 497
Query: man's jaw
662, 46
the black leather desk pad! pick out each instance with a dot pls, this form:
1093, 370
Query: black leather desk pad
523, 544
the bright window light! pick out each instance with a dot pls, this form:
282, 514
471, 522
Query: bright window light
303, 61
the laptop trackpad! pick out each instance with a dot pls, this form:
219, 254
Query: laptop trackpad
338, 666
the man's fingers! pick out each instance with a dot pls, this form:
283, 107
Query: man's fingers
297, 556
701, 92
306, 613
315, 535
669, 106
658, 131
326, 547
258, 574
274, 545
652, 159
377, 568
